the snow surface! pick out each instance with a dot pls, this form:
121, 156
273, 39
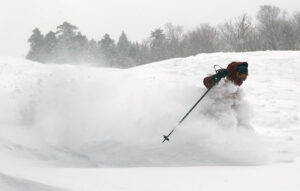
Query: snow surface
15, 184
62, 116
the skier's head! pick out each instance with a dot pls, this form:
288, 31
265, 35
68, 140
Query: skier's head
242, 71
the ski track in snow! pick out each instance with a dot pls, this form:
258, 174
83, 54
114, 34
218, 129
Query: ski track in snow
77, 116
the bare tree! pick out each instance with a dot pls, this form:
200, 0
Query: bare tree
237, 35
296, 23
204, 39
269, 26
288, 35
174, 35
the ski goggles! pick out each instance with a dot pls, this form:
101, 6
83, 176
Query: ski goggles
241, 76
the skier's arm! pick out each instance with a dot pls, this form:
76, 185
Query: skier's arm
208, 81
211, 80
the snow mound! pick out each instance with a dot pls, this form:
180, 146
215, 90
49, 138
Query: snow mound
76, 116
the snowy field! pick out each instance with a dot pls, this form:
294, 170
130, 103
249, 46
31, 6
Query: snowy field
81, 128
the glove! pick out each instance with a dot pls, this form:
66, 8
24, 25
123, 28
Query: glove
222, 73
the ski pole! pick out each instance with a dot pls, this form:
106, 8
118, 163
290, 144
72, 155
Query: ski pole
166, 137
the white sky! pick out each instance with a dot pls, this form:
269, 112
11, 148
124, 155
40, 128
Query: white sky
136, 17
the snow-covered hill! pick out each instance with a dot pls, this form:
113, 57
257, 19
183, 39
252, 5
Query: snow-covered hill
79, 116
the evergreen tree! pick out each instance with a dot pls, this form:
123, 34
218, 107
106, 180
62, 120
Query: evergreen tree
93, 53
65, 45
123, 43
123, 52
157, 45
66, 31
80, 48
158, 38
108, 49
133, 54
50, 46
143, 53
36, 41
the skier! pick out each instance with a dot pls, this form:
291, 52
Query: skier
236, 72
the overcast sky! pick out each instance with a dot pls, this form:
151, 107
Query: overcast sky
136, 17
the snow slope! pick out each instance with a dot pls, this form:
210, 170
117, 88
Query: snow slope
80, 116
15, 184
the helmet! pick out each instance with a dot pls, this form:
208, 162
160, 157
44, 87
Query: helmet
242, 71
243, 68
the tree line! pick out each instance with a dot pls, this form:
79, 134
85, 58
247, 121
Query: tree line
273, 30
